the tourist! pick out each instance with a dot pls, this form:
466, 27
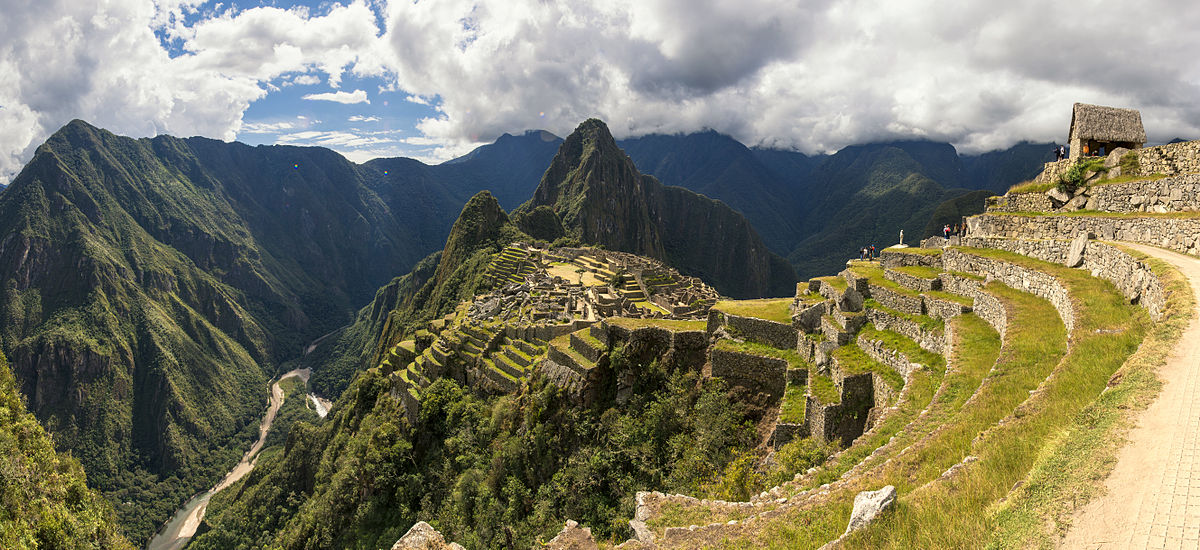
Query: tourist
1057, 153
946, 231
874, 254
862, 253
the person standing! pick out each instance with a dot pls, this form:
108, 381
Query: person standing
946, 231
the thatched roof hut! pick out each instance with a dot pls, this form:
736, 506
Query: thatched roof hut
1096, 129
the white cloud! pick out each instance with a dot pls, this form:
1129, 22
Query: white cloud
267, 127
813, 75
360, 118
349, 98
101, 62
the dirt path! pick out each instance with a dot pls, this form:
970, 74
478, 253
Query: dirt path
1153, 498
177, 532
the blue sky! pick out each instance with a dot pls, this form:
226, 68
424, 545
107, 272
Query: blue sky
432, 79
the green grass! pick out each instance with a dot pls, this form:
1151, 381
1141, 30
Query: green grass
771, 309
1108, 332
822, 389
898, 342
672, 325
793, 359
918, 271
836, 282
792, 408
927, 323
1074, 467
949, 297
852, 360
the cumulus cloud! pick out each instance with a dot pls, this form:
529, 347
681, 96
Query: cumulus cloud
814, 75
102, 62
348, 98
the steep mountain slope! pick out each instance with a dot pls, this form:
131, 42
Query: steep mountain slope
44, 494
720, 167
600, 197
148, 288
509, 168
996, 171
868, 194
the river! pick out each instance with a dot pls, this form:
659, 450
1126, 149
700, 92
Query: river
177, 532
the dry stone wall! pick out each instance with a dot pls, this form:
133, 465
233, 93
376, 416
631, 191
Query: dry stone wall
930, 340
777, 335
1173, 194
1021, 278
1133, 278
1178, 234
756, 373
1170, 159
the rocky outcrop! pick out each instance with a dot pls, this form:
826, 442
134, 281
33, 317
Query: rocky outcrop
423, 536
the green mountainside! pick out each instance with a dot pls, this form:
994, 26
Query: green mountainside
148, 289
44, 498
599, 197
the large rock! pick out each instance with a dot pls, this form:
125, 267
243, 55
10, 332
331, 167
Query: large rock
868, 505
573, 537
1075, 251
423, 536
1058, 196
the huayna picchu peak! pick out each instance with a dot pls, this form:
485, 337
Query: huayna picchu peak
600, 198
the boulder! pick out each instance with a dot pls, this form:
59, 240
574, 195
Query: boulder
1075, 251
1058, 196
1114, 157
852, 300
1077, 203
868, 505
423, 536
573, 537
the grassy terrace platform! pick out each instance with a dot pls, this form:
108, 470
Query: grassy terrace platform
770, 309
852, 360
927, 323
793, 359
834, 281
874, 276
822, 389
669, 324
793, 405
898, 342
919, 271
949, 297
1034, 357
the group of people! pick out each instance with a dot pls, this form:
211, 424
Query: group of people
956, 229
868, 253
1060, 152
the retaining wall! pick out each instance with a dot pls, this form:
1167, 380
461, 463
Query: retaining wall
1021, 278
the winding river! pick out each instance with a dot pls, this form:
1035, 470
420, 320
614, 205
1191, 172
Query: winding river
177, 532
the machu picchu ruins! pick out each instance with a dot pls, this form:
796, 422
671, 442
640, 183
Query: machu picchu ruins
870, 359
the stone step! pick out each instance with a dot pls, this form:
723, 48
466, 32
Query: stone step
527, 347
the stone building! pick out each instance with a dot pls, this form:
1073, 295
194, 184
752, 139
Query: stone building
1098, 130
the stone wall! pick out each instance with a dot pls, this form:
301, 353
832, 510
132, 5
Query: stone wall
1181, 235
1021, 278
1170, 159
987, 307
1133, 278
916, 283
1019, 202
766, 375
892, 258
912, 305
843, 421
777, 335
934, 341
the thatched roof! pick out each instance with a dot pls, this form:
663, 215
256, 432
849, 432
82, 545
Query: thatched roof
1106, 124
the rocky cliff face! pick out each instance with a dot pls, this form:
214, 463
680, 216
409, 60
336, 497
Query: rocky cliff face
600, 197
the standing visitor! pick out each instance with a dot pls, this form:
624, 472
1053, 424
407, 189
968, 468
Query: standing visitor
946, 231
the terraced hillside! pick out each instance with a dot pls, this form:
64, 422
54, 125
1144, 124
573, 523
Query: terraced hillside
978, 387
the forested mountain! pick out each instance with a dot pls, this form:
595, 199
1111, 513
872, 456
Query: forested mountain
148, 289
